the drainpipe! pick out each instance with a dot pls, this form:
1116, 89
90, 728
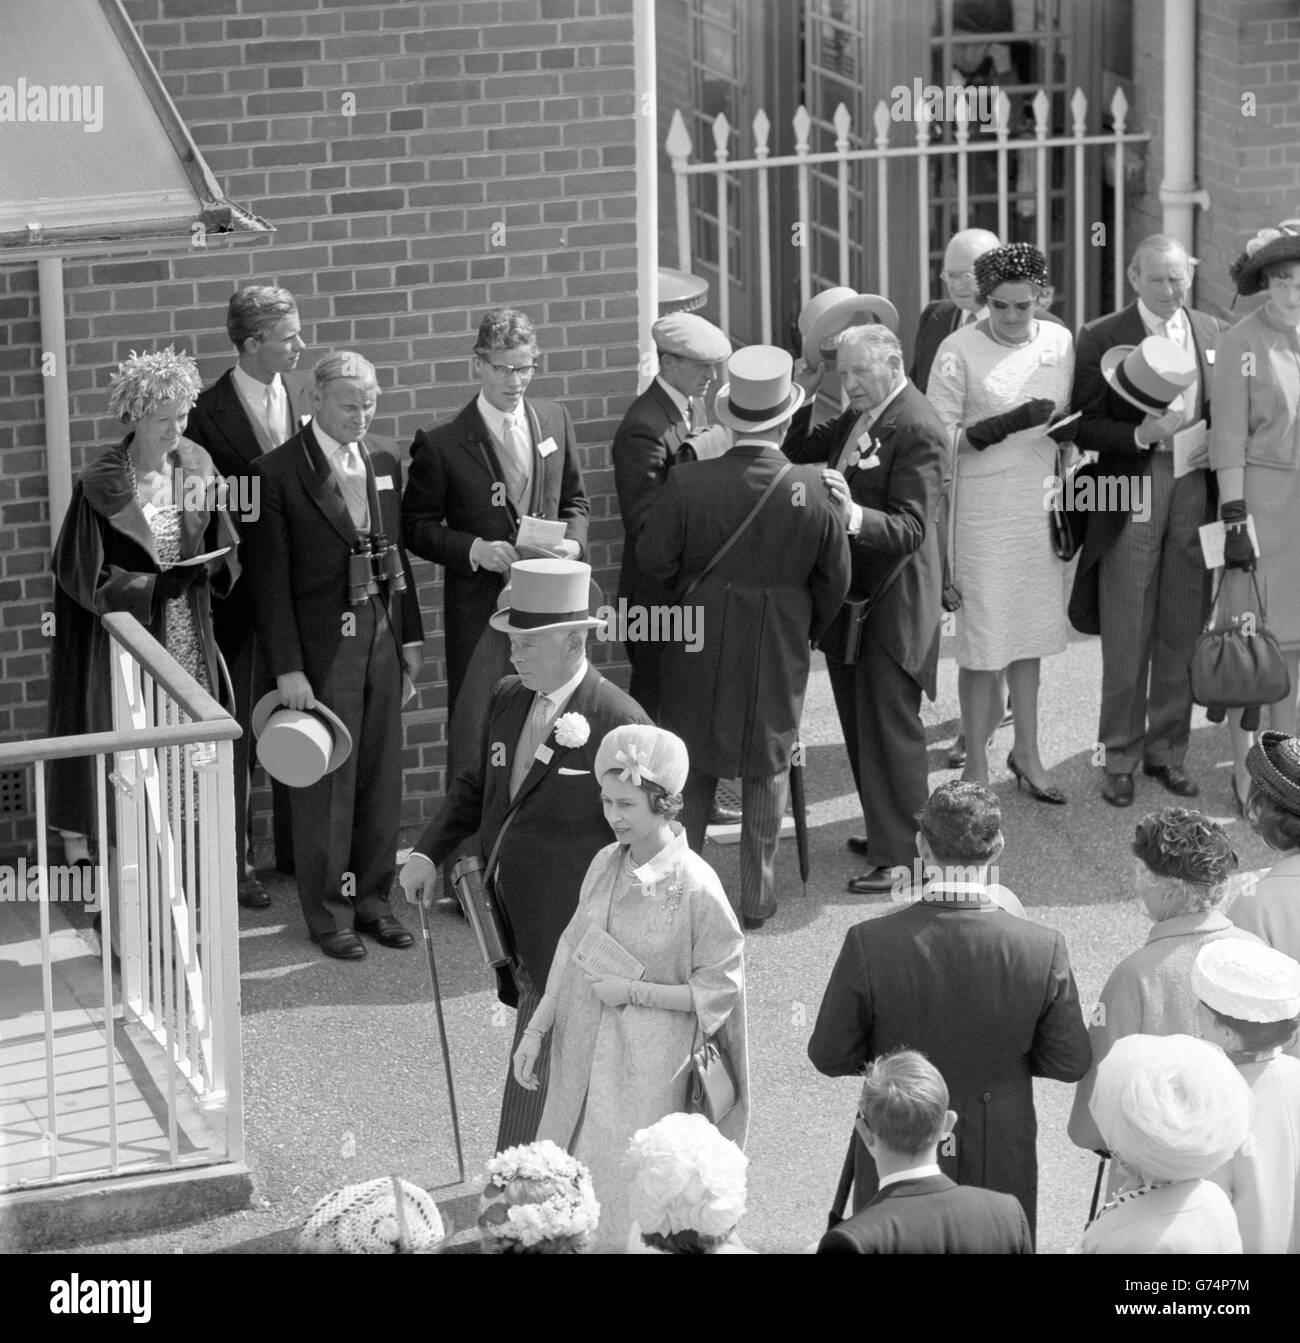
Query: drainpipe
54, 347
1179, 194
647, 187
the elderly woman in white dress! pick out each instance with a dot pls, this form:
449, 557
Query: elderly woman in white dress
996, 386
624, 1032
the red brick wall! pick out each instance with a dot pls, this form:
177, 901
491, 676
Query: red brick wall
489, 160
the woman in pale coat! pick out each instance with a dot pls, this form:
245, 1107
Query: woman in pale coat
624, 1034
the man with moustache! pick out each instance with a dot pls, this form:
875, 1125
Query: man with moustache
251, 409
531, 795
342, 630
1141, 582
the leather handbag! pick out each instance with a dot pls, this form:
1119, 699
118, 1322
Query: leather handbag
1066, 524
711, 1089
1236, 664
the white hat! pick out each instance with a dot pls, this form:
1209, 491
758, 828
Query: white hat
758, 393
690, 337
362, 1219
299, 747
1247, 980
685, 1176
1170, 1106
642, 751
826, 314
1149, 375
546, 595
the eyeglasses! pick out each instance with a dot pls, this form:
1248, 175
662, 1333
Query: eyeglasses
509, 370
952, 276
1001, 305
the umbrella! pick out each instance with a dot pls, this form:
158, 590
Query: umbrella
799, 805
442, 1039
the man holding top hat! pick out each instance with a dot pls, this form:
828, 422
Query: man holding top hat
756, 544
1141, 582
339, 618
531, 796
665, 426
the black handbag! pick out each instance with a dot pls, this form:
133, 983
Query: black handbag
1237, 664
1067, 525
842, 638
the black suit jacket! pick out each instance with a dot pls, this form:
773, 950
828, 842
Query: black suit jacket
220, 424
455, 494
1106, 426
559, 826
937, 320
932, 1215
901, 499
299, 549
988, 998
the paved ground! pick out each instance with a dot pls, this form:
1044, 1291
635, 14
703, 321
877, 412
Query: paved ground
343, 1074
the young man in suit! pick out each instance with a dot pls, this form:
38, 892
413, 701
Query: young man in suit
887, 460
339, 617
1141, 582
533, 778
733, 675
989, 998
662, 428
903, 1118
251, 409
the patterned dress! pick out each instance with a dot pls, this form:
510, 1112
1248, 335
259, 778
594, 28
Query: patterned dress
1013, 587
182, 635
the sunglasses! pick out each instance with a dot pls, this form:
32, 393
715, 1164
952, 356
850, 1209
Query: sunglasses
1001, 305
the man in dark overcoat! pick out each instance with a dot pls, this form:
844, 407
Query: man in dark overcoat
734, 673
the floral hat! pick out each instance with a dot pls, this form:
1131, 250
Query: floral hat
538, 1200
687, 1180
143, 382
1266, 247
641, 752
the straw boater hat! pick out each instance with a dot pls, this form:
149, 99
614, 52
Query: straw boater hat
1169, 1106
690, 337
1274, 765
1149, 375
1247, 980
826, 314
299, 747
546, 595
1266, 247
758, 393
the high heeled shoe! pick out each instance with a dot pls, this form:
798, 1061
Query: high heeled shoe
1052, 795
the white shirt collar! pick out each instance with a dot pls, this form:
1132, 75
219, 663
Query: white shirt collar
1152, 321
329, 446
560, 697
869, 417
679, 400
662, 864
496, 419
912, 1173
254, 392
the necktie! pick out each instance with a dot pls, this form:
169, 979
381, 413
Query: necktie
533, 735
696, 420
271, 420
518, 461
1172, 329
351, 475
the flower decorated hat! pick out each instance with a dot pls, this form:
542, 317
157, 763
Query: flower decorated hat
538, 1200
1269, 245
642, 753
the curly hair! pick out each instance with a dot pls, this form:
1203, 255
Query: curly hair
505, 329
1016, 263
1186, 845
961, 822
144, 382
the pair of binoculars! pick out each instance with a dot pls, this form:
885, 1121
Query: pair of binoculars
372, 562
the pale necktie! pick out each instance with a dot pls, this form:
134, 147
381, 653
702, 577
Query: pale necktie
272, 414
533, 735
696, 419
518, 458
1172, 329
351, 476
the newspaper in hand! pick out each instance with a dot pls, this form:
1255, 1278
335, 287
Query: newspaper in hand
600, 955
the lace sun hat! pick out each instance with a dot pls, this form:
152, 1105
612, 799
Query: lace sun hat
365, 1219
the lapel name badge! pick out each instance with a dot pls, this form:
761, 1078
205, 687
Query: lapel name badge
383, 482
546, 447
544, 754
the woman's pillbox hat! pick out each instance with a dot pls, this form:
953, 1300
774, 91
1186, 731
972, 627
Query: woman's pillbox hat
1169, 1106
1274, 765
298, 747
1149, 376
690, 337
642, 753
1247, 980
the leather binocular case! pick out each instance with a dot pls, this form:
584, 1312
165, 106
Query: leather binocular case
480, 909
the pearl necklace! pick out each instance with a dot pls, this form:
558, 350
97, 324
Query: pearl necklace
1012, 344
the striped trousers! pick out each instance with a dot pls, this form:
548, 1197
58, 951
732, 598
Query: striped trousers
762, 804
521, 1110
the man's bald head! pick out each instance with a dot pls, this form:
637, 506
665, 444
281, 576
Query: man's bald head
959, 265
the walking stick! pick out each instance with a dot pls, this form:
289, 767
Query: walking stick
442, 1040
1096, 1191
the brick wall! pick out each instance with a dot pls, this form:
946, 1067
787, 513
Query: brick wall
421, 163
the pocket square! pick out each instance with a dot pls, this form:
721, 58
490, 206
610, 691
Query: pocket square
565, 770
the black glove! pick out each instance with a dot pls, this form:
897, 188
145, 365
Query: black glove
177, 581
1238, 553
997, 427
1064, 433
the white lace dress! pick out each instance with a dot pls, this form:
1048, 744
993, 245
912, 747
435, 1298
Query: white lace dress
1014, 590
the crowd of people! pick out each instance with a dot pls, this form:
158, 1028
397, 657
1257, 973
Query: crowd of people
855, 533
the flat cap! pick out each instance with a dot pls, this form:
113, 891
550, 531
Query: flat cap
691, 337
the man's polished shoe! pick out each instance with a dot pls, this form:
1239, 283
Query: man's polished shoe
858, 844
343, 945
751, 923
1173, 777
957, 753
1118, 790
720, 815
879, 881
387, 931
252, 894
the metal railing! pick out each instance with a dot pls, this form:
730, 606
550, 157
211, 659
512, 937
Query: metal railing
1030, 152
169, 1014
